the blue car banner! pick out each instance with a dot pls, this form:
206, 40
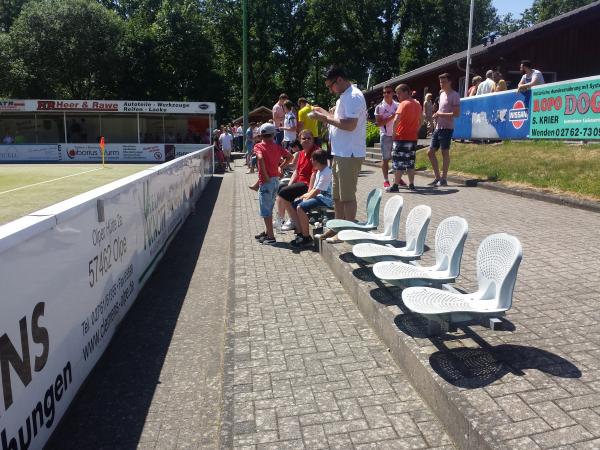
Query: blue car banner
502, 115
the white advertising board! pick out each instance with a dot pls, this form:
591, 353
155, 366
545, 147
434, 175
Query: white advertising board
113, 152
13, 153
69, 273
116, 106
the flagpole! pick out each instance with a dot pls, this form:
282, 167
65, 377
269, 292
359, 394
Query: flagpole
468, 69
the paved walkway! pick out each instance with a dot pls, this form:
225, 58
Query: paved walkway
234, 344
538, 385
308, 372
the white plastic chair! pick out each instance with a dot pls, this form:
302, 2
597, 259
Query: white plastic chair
498, 260
450, 239
417, 223
391, 223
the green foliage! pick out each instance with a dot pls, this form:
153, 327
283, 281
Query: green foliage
372, 133
63, 49
542, 10
191, 49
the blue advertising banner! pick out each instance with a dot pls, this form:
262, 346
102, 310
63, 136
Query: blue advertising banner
504, 115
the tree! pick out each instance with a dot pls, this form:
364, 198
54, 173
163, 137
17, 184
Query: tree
64, 49
542, 10
9, 11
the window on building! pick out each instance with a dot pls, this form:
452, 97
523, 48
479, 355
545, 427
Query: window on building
83, 128
151, 129
17, 129
50, 128
119, 128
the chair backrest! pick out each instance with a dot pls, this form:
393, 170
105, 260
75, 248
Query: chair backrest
417, 223
498, 259
450, 239
373, 202
391, 216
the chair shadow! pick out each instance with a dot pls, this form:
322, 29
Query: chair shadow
112, 406
473, 368
468, 368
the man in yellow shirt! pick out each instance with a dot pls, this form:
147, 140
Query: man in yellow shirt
306, 122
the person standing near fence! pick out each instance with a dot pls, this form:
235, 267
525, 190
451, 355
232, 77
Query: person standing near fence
442, 135
384, 117
348, 135
278, 117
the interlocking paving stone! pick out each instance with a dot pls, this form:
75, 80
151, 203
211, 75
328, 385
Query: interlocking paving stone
311, 371
528, 385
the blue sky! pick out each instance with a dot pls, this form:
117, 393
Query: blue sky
516, 7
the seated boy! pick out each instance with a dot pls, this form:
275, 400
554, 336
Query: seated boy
268, 156
319, 195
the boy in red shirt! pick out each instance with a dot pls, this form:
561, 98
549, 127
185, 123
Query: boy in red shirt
269, 156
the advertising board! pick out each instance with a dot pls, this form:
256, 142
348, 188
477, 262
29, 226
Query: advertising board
502, 115
69, 273
141, 106
16, 153
566, 110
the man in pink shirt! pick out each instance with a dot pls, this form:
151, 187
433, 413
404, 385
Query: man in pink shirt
278, 117
269, 158
442, 135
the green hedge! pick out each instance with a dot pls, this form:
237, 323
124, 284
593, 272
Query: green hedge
372, 134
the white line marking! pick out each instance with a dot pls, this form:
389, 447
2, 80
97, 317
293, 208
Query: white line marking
49, 181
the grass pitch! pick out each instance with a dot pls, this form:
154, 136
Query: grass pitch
25, 188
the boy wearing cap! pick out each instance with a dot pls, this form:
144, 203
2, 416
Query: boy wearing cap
269, 160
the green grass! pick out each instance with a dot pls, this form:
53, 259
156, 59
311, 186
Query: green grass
32, 198
549, 165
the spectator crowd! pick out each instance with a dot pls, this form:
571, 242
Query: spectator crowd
309, 157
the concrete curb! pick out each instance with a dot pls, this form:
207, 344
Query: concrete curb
447, 402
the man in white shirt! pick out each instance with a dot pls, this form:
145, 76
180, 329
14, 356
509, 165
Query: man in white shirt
531, 77
348, 138
384, 117
226, 141
488, 85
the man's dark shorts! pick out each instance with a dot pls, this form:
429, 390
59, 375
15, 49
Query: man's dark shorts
292, 191
403, 155
441, 138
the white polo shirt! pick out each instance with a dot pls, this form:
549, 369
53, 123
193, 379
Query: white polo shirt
350, 105
386, 110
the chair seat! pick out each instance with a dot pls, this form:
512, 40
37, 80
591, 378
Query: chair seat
338, 225
424, 300
371, 251
359, 235
398, 271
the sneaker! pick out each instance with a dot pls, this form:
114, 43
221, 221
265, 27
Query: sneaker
411, 187
301, 241
434, 182
259, 236
268, 241
386, 184
288, 226
402, 182
392, 188
442, 182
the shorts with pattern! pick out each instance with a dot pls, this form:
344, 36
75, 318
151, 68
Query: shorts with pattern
403, 155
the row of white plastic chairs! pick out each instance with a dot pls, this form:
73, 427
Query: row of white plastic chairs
498, 259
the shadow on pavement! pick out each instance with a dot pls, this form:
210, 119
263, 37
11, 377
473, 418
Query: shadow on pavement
472, 368
111, 408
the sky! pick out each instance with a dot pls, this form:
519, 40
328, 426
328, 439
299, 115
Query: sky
515, 7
